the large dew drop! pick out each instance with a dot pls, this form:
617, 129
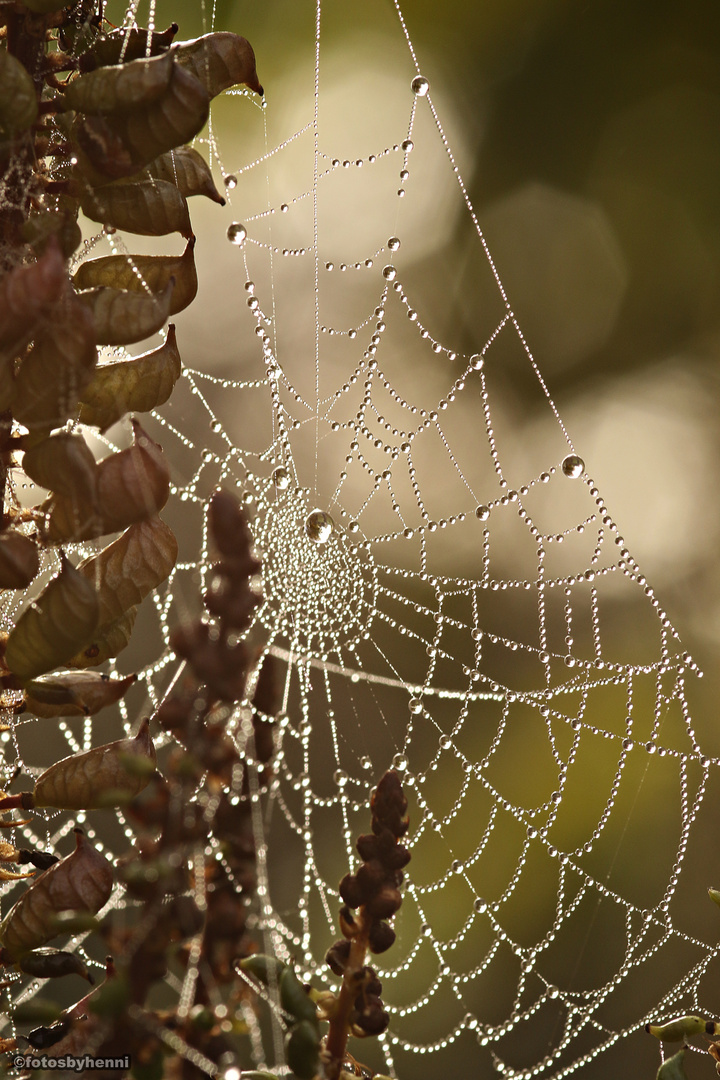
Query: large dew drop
237, 233
573, 466
281, 478
420, 85
319, 526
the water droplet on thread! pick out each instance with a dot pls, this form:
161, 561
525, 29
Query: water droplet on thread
230, 182
319, 526
415, 705
573, 466
482, 513
281, 478
237, 234
389, 273
400, 762
393, 243
420, 86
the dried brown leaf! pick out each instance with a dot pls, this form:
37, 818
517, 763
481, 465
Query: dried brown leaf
126, 571
27, 294
63, 463
148, 207
136, 273
131, 85
109, 640
58, 368
219, 60
135, 385
55, 626
188, 171
85, 781
18, 97
80, 882
74, 693
121, 317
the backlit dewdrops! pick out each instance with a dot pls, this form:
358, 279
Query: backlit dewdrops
230, 182
420, 86
281, 478
237, 234
393, 243
573, 466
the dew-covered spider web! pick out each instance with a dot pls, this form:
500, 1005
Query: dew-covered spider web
438, 602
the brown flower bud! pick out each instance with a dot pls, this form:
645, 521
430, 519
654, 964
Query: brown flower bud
385, 903
380, 937
350, 891
337, 957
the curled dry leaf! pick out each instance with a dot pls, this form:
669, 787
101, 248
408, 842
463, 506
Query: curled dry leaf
136, 138
19, 560
148, 207
130, 486
57, 370
26, 295
135, 84
82, 1026
50, 631
121, 317
63, 463
125, 44
188, 171
136, 273
53, 964
219, 60
135, 385
126, 571
18, 98
104, 776
74, 693
80, 882
110, 640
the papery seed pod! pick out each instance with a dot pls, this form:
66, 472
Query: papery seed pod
63, 463
138, 272
148, 207
121, 317
109, 641
74, 693
96, 778
53, 964
131, 486
683, 1027
188, 171
81, 881
56, 371
132, 85
673, 1068
172, 120
219, 60
131, 567
55, 626
138, 384
18, 97
125, 44
27, 294
303, 1049
19, 560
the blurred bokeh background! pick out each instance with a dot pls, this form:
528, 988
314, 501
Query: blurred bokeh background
589, 139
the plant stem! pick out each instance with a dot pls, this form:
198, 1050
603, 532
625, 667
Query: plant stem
337, 1037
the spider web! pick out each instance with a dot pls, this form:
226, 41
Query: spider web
437, 604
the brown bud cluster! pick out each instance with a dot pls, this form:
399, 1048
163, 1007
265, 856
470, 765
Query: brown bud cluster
371, 896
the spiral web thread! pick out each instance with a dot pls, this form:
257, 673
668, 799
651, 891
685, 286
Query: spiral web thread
436, 607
